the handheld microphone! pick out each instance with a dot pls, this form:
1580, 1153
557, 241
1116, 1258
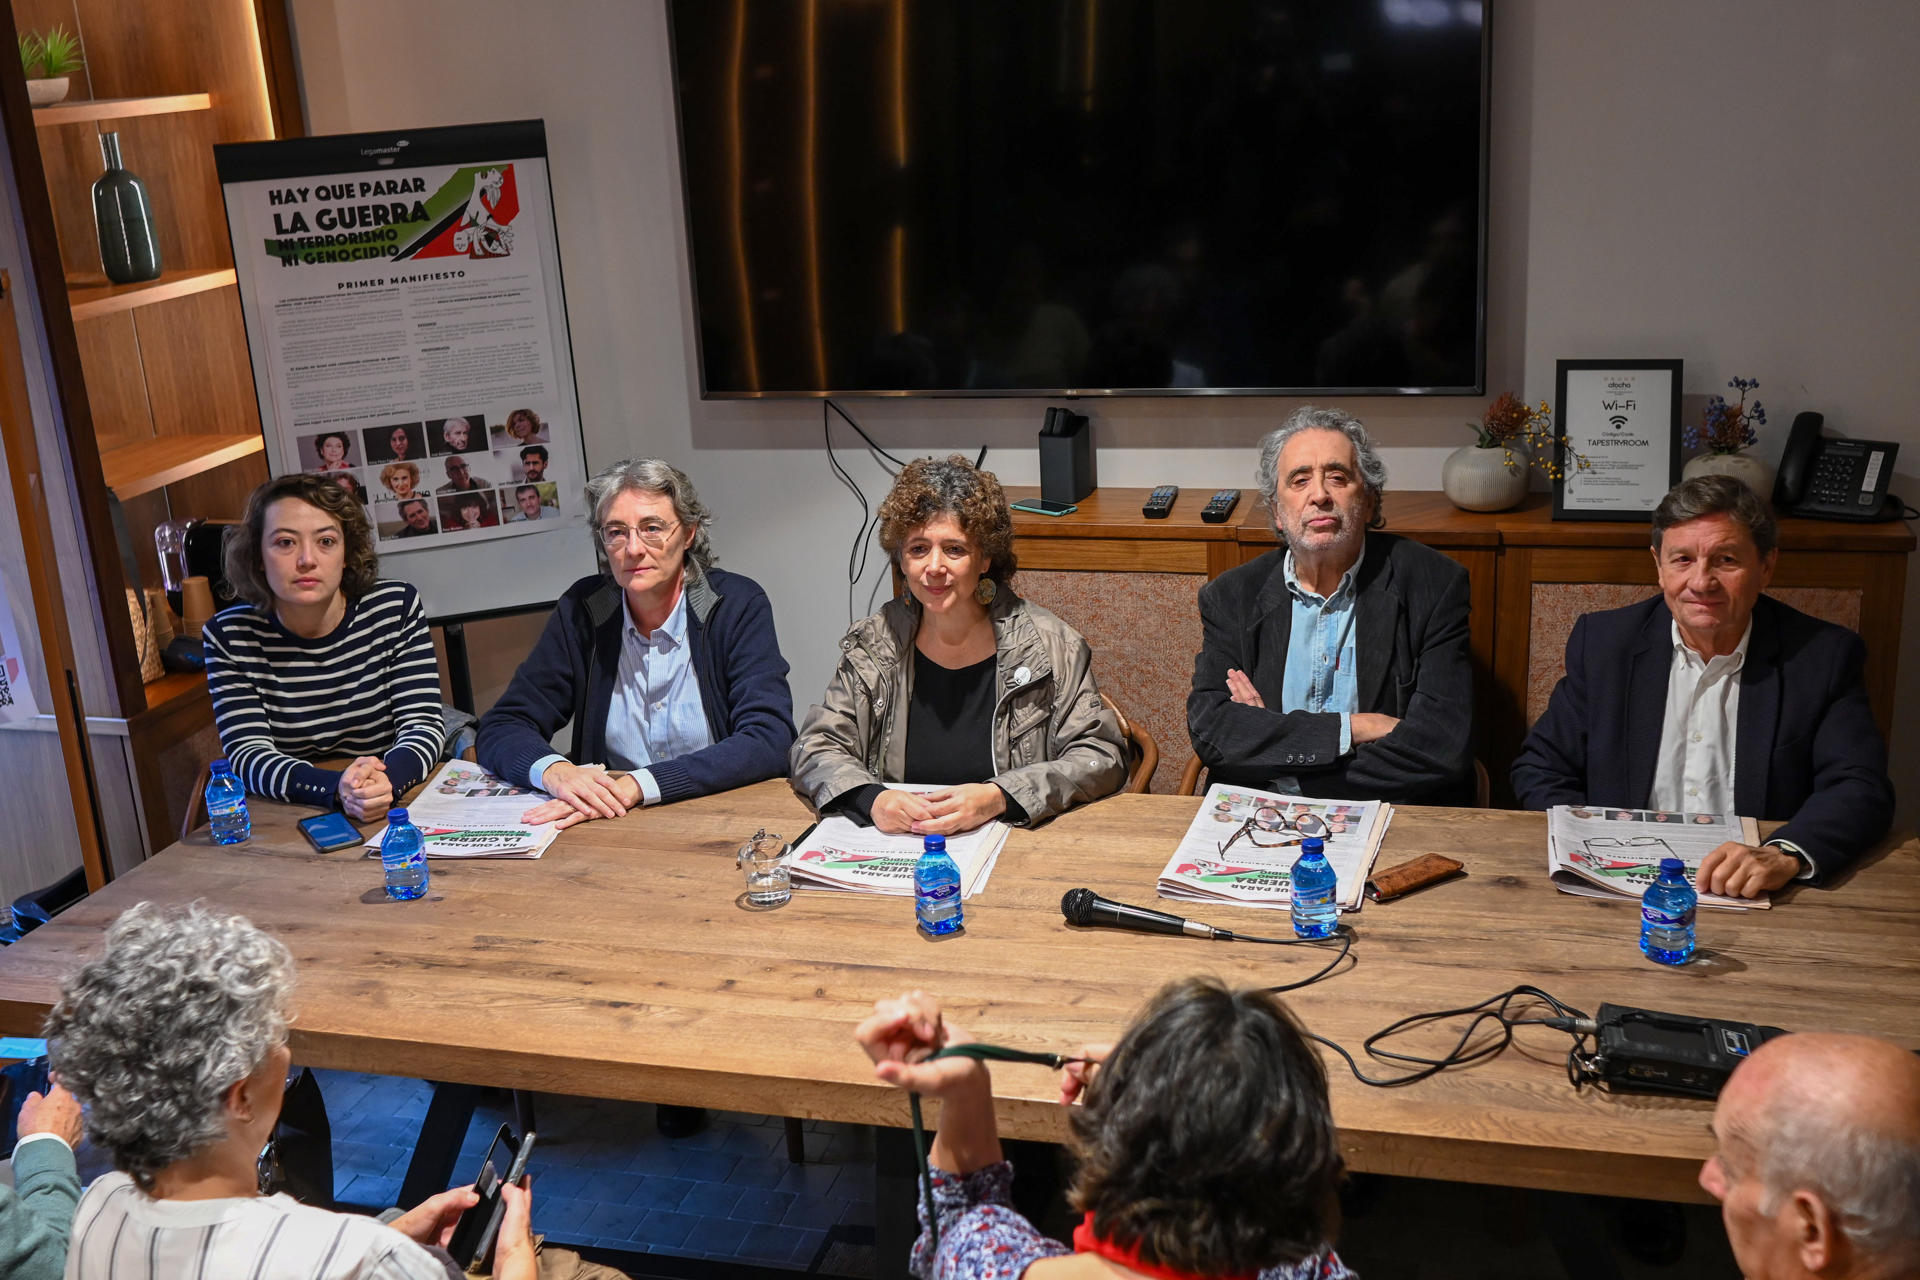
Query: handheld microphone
1085, 907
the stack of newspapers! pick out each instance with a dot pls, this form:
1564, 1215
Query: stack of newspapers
1242, 846
465, 812
1615, 853
840, 854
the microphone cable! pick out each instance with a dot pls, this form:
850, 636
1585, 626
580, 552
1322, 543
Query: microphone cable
1344, 932
1496, 1009
979, 1053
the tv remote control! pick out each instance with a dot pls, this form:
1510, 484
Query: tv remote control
1160, 502
1220, 506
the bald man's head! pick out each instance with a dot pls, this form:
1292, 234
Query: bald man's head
1818, 1166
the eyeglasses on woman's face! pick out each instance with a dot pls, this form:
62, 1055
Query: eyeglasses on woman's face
652, 534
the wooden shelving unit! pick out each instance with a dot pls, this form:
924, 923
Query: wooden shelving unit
119, 108
145, 465
91, 301
153, 379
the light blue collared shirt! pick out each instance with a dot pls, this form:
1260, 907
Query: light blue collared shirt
1322, 673
656, 712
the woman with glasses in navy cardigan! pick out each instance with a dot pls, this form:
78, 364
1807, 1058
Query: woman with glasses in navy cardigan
668, 667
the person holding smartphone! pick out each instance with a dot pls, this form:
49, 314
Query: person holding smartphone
321, 658
961, 684
175, 1038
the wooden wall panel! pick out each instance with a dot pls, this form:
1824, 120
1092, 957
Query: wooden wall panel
116, 385
197, 373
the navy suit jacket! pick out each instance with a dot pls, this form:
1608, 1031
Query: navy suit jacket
1410, 639
1805, 745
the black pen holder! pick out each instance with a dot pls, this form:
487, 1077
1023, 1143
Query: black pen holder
1066, 458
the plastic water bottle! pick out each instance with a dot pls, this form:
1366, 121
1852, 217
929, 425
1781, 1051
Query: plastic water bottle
227, 806
1316, 911
403, 856
1666, 915
936, 889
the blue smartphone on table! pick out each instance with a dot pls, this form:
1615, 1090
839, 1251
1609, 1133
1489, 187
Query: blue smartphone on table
329, 831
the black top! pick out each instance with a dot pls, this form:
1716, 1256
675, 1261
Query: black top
949, 732
950, 722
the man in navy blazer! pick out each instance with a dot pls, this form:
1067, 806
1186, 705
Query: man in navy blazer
1711, 698
1338, 666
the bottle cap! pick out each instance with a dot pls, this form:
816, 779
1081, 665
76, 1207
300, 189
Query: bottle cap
936, 844
396, 816
1674, 865
220, 766
1313, 844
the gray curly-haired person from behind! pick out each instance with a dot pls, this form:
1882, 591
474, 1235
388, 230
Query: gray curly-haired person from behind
175, 1038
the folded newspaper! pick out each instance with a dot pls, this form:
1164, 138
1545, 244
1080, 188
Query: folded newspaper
1242, 846
1615, 853
466, 812
842, 855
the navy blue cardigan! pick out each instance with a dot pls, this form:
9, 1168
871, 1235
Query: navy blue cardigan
570, 675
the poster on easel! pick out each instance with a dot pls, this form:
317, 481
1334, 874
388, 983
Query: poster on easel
16, 688
407, 327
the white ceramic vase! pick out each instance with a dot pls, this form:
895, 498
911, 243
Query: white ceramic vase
1476, 479
44, 93
1752, 472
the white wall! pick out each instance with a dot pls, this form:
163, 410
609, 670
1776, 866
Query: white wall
1729, 181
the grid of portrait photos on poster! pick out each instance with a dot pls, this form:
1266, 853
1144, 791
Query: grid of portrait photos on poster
467, 474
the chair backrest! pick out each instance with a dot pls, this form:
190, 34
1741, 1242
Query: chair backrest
1482, 786
1143, 753
196, 813
1190, 777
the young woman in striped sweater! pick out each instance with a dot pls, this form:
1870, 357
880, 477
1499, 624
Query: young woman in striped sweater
321, 659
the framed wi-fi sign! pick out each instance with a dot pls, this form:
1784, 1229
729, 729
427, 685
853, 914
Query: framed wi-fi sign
1616, 448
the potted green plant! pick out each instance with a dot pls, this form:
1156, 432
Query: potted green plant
48, 61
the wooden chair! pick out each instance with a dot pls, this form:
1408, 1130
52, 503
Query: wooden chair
1191, 779
1143, 753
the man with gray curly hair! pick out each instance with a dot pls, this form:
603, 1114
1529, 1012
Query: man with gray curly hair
1338, 665
175, 1038
1817, 1159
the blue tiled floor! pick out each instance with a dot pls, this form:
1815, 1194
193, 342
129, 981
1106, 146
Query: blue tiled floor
603, 1175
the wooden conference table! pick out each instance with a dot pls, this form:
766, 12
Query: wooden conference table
623, 965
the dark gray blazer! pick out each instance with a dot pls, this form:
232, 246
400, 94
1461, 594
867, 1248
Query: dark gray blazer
1410, 636
1806, 747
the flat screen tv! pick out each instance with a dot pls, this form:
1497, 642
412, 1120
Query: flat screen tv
1128, 197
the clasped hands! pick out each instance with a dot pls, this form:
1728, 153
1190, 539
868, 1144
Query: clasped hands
1366, 726
366, 792
901, 1034
581, 793
945, 812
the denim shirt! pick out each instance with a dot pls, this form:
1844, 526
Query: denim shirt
1322, 673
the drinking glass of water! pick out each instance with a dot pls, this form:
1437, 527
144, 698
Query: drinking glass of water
764, 860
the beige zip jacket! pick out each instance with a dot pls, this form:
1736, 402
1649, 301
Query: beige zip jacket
1055, 742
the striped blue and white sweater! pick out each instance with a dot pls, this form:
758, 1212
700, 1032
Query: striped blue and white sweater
368, 688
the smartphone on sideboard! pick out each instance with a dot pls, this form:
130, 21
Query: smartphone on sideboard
329, 831
1041, 507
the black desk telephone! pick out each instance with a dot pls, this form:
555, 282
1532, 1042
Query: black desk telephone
1826, 479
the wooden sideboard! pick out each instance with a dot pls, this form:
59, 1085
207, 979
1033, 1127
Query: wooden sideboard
1130, 584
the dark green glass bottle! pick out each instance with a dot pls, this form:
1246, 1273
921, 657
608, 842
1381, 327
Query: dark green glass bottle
124, 219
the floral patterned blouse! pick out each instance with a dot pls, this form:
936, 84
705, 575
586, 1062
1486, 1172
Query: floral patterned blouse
982, 1237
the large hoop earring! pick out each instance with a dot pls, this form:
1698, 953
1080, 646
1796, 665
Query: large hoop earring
985, 590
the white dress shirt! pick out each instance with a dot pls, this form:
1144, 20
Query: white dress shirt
1694, 773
